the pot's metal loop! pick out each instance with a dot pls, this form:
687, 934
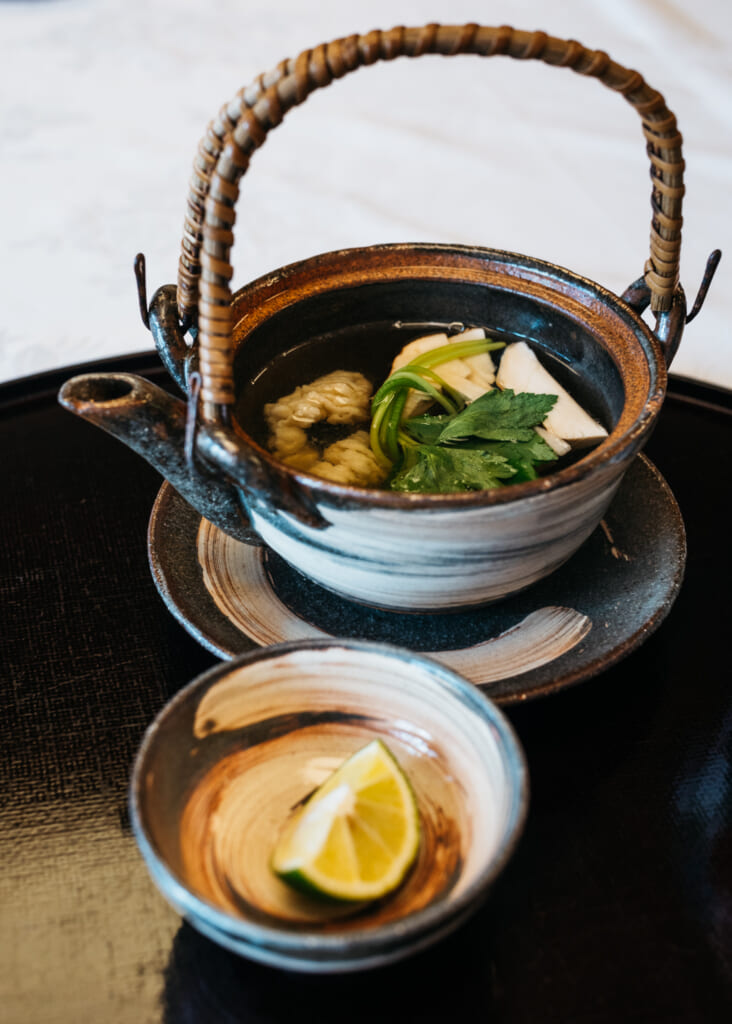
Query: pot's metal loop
141, 278
179, 356
670, 323
189, 445
709, 272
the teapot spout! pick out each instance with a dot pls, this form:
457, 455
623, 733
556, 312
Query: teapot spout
153, 423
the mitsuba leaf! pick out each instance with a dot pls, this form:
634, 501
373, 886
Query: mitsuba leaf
445, 470
499, 416
534, 450
426, 429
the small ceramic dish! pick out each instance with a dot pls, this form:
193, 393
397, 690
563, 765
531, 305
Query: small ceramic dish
224, 763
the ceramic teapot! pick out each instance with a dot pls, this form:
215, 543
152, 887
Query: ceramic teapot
355, 309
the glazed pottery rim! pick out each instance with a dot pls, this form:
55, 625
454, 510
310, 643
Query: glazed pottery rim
310, 963
345, 944
620, 444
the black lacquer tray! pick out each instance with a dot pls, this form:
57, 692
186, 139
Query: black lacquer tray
617, 905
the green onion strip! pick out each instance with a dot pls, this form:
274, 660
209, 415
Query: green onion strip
388, 440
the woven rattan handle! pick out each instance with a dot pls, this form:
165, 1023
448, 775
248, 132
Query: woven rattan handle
241, 127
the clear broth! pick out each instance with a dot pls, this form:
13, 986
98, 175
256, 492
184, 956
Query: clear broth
370, 349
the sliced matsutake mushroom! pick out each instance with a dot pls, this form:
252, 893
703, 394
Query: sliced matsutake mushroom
471, 376
557, 444
520, 370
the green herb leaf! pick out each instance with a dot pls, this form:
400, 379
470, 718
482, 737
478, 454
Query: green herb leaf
534, 450
426, 429
499, 416
490, 442
444, 470
522, 455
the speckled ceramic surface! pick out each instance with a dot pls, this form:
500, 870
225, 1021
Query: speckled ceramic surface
223, 765
408, 552
589, 614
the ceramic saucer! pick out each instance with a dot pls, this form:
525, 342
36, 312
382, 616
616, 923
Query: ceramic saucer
596, 609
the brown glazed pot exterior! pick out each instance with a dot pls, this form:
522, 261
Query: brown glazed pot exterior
429, 552
353, 309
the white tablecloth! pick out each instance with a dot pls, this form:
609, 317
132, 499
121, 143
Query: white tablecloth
104, 101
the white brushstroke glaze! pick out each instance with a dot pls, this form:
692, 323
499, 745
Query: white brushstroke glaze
235, 577
446, 559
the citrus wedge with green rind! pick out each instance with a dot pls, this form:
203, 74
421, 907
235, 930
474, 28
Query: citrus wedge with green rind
357, 835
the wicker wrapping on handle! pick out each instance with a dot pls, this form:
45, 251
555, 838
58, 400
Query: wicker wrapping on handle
242, 125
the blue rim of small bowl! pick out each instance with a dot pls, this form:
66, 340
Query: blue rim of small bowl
348, 945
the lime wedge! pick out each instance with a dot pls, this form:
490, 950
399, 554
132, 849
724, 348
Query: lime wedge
357, 835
